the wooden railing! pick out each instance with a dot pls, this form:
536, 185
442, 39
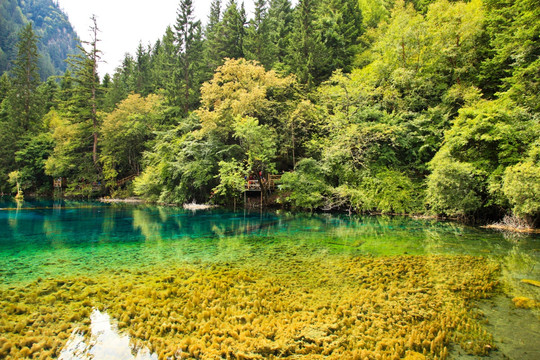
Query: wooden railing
272, 179
253, 185
126, 179
59, 182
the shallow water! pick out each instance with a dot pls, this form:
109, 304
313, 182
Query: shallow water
66, 240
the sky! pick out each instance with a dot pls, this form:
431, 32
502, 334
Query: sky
125, 23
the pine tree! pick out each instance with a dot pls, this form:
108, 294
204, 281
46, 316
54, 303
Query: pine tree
341, 21
142, 71
188, 39
212, 55
24, 102
280, 22
307, 56
165, 63
230, 40
83, 102
257, 42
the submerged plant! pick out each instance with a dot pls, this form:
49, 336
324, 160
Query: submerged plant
347, 308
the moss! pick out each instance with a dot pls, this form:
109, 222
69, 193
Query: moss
525, 303
531, 282
387, 307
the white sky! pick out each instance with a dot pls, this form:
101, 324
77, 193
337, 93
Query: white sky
125, 23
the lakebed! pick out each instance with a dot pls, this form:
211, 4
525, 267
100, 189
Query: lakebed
213, 284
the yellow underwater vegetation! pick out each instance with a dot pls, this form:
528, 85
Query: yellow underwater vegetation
392, 307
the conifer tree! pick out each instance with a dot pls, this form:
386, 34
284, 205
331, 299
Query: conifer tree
142, 71
24, 102
342, 24
163, 62
212, 54
257, 42
232, 31
280, 22
188, 39
74, 156
307, 56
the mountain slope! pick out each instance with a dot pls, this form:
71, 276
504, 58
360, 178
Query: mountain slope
57, 38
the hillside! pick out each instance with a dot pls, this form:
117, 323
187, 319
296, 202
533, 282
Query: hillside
57, 37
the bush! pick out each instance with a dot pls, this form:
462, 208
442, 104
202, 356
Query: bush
453, 187
521, 185
305, 188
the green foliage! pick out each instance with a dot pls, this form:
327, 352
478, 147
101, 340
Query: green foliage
394, 192
14, 179
126, 133
77, 123
514, 67
188, 40
305, 188
30, 160
521, 185
454, 188
23, 98
232, 175
307, 56
258, 143
56, 37
484, 140
370, 105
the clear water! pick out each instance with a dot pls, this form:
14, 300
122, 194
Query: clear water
46, 239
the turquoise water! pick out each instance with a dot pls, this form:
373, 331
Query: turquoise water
46, 239
58, 240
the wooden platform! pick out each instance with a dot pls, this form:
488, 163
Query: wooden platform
253, 185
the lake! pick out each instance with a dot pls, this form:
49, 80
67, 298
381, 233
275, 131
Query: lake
82, 280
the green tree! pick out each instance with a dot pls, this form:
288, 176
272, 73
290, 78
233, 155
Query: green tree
340, 22
212, 52
142, 73
232, 32
484, 140
521, 185
126, 133
259, 144
307, 55
164, 61
280, 23
305, 188
454, 188
25, 111
232, 181
30, 162
78, 120
257, 44
188, 39
512, 66
456, 49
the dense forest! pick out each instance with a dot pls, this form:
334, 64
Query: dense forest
385, 106
55, 35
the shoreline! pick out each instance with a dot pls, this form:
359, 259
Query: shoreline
128, 200
512, 229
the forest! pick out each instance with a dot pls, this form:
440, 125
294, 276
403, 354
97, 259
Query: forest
55, 35
368, 106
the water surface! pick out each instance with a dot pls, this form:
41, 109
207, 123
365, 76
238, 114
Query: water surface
52, 240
